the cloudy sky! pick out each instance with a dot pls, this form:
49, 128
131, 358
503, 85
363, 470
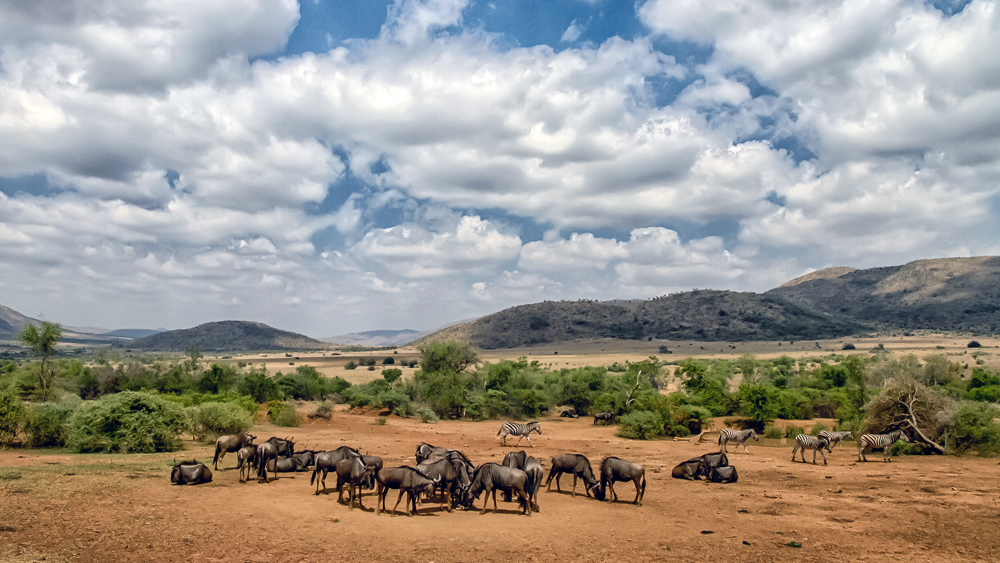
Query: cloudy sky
328, 166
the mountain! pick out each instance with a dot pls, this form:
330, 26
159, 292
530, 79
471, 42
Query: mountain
694, 315
937, 294
11, 323
227, 336
134, 332
377, 337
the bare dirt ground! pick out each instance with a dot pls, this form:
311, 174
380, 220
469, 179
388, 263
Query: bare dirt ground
69, 507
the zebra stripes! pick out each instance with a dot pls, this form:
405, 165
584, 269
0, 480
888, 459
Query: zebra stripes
738, 436
519, 430
805, 442
871, 442
837, 437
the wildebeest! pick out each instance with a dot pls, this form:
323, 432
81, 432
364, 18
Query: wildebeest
617, 469
352, 471
713, 460
569, 413
327, 462
576, 464
407, 479
534, 472
304, 459
246, 461
723, 474
690, 469
271, 449
515, 460
605, 417
376, 461
805, 442
490, 477
446, 476
190, 473
231, 443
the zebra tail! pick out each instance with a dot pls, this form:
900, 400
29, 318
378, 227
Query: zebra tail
499, 431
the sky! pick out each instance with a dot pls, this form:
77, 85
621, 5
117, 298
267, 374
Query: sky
332, 166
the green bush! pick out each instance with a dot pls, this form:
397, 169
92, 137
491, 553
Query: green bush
381, 421
351, 365
127, 422
427, 414
388, 361
12, 416
283, 414
324, 409
772, 432
974, 427
791, 431
46, 424
640, 425
208, 421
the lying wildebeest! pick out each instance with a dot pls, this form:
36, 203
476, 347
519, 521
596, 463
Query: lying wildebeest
190, 473
534, 472
713, 460
352, 471
229, 444
407, 479
304, 459
723, 474
246, 461
690, 469
327, 462
605, 417
446, 476
805, 442
269, 450
515, 460
490, 477
569, 413
576, 464
617, 469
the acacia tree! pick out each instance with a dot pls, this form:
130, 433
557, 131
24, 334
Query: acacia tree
42, 340
906, 404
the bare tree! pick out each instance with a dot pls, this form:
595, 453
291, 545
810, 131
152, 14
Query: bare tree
906, 404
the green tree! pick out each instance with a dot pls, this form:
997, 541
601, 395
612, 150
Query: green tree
759, 401
747, 364
392, 375
447, 356
42, 340
193, 353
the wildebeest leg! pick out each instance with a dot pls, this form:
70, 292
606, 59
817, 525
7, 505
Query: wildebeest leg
380, 492
399, 498
611, 485
636, 482
574, 485
446, 495
524, 498
494, 491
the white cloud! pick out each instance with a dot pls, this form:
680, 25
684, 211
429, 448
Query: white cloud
572, 32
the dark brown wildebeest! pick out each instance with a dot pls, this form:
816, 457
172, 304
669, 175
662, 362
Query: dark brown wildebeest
352, 471
327, 462
426, 451
534, 472
515, 460
190, 473
245, 460
576, 464
605, 417
617, 469
443, 471
690, 469
369, 482
231, 443
490, 477
269, 450
711, 461
723, 474
463, 466
407, 479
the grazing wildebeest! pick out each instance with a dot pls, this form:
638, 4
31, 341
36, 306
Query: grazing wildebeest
805, 442
352, 471
617, 469
190, 473
407, 479
269, 450
605, 417
723, 474
515, 460
738, 436
490, 477
229, 444
463, 466
246, 460
713, 460
884, 442
534, 472
837, 437
443, 471
576, 464
369, 481
327, 462
519, 430
690, 469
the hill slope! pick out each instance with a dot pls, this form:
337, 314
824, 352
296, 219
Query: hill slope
227, 336
11, 323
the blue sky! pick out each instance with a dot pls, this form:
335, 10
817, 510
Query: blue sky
328, 166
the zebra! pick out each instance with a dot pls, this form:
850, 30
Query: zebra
872, 442
837, 437
519, 430
805, 442
738, 436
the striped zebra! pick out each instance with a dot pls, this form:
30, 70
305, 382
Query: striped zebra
805, 442
519, 430
837, 437
872, 442
738, 436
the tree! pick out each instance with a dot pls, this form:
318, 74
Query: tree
906, 404
747, 364
392, 375
447, 356
193, 353
759, 401
42, 340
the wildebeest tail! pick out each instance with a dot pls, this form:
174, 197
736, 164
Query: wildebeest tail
215, 461
643, 491
313, 478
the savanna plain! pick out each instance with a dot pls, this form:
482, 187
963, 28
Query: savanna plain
58, 506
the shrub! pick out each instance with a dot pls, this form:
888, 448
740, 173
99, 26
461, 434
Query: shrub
772, 432
12, 416
127, 422
208, 421
974, 427
791, 431
45, 426
817, 428
283, 414
324, 410
381, 421
388, 360
973, 344
848, 346
427, 415
640, 425
351, 365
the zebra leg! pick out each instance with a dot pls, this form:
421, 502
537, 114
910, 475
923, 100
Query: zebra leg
529, 440
794, 450
519, 441
745, 447
822, 454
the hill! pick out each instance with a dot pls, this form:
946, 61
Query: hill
227, 336
11, 323
376, 337
695, 315
938, 294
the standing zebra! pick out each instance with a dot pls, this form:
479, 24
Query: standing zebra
837, 437
519, 430
872, 442
738, 436
815, 443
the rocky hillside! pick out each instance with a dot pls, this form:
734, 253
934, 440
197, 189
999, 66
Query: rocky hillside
939, 294
227, 336
11, 323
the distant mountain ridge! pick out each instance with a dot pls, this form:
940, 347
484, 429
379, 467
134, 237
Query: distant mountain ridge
227, 336
377, 337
